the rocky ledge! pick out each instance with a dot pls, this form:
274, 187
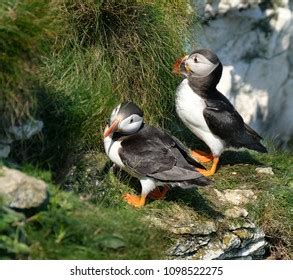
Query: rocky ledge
226, 233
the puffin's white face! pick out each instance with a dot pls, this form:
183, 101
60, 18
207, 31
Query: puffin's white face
197, 65
130, 125
123, 120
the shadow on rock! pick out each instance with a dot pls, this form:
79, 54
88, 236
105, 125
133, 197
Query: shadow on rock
193, 199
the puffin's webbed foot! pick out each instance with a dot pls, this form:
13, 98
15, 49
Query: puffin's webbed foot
134, 200
158, 194
212, 170
202, 156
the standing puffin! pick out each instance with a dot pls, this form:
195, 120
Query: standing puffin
207, 112
149, 154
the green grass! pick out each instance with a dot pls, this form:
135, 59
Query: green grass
25, 32
93, 55
72, 228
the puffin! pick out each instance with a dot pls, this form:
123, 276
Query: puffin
207, 112
150, 154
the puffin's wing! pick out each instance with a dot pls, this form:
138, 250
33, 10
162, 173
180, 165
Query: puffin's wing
222, 119
186, 153
154, 153
145, 153
178, 149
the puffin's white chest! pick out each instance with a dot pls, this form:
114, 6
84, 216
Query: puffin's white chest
112, 150
190, 107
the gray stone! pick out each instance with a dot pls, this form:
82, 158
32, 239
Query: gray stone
198, 236
238, 224
188, 245
235, 196
26, 130
20, 190
212, 251
253, 249
264, 170
20, 132
236, 212
4, 150
182, 221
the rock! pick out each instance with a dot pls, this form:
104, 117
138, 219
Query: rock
187, 246
212, 251
254, 249
264, 170
20, 132
236, 197
5, 141
253, 41
4, 150
183, 221
236, 212
197, 235
26, 130
239, 224
20, 190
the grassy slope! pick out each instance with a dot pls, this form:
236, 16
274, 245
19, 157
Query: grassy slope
98, 224
75, 229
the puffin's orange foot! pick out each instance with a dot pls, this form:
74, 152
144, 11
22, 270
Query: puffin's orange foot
205, 172
134, 200
159, 194
212, 171
202, 156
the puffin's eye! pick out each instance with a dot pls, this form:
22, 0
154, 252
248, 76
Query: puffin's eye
131, 121
195, 59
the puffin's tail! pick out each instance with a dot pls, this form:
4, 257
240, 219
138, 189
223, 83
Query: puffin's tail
201, 181
251, 140
257, 147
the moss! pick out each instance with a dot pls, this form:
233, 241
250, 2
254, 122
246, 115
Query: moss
243, 233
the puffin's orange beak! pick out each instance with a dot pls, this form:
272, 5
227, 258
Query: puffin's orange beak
111, 129
176, 66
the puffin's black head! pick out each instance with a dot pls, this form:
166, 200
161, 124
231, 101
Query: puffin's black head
126, 118
201, 65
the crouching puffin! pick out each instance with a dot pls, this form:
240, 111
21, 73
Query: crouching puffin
207, 112
149, 154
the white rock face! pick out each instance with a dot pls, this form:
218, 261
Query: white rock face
255, 45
